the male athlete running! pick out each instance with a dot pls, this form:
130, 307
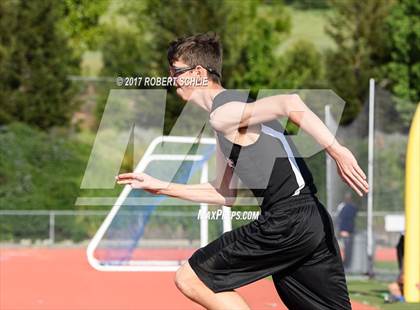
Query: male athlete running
293, 238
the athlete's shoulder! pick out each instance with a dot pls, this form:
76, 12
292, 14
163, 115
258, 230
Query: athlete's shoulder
229, 95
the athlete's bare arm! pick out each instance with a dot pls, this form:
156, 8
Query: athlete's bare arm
231, 117
216, 191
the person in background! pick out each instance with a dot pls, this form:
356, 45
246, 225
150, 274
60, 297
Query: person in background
335, 216
396, 292
346, 219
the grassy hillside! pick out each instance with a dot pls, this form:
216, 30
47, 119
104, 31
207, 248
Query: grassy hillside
308, 25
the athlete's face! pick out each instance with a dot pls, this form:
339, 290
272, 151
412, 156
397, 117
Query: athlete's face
186, 75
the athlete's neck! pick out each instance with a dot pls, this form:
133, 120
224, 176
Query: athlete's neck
204, 97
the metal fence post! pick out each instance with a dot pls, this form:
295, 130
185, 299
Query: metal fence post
52, 228
370, 176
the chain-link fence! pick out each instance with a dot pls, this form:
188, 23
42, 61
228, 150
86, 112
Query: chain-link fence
58, 227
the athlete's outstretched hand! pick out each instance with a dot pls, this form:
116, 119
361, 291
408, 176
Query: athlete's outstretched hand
141, 181
348, 169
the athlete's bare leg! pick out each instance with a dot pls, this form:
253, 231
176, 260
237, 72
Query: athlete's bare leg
192, 287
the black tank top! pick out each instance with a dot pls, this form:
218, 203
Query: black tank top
271, 166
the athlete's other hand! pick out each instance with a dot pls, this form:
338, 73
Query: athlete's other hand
349, 169
141, 181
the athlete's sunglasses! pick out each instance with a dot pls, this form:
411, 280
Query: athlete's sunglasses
176, 71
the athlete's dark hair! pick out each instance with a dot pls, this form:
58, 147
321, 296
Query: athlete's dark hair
203, 49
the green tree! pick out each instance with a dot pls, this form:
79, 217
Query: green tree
125, 53
308, 4
249, 32
401, 71
301, 67
358, 29
35, 62
81, 23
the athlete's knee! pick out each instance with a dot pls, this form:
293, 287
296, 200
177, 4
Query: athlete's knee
185, 280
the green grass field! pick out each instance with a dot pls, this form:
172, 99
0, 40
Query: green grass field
391, 267
371, 292
308, 25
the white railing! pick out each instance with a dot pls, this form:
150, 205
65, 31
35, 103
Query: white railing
147, 158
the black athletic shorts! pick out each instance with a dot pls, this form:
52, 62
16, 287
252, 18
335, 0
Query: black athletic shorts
294, 242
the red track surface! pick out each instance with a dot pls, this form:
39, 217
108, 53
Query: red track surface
385, 254
61, 279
